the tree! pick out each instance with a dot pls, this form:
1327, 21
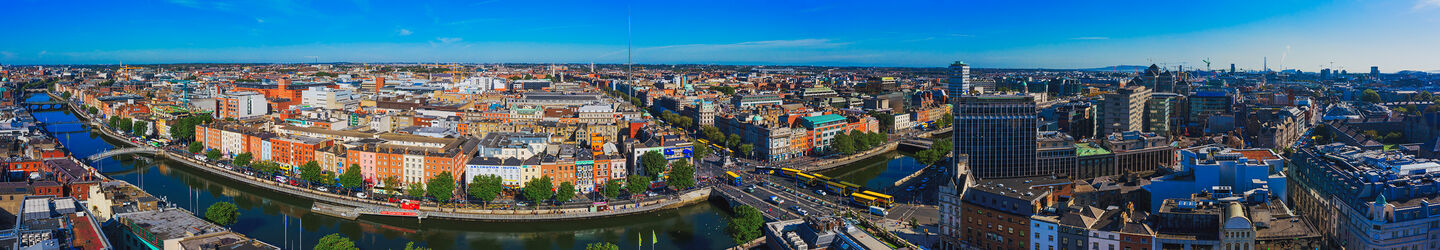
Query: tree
861, 141
565, 192
538, 189
196, 147
682, 175
411, 246
352, 179
310, 171
638, 183
732, 141
114, 122
653, 162
746, 148
65, 95
1370, 96
485, 187
126, 124
392, 183
745, 226
213, 154
415, 190
139, 128
222, 213
243, 159
602, 246
842, 144
885, 120
700, 150
612, 188
441, 186
93, 110
335, 242
327, 178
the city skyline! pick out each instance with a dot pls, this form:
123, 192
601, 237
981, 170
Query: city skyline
1303, 35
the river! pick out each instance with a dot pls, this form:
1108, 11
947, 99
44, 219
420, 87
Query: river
286, 221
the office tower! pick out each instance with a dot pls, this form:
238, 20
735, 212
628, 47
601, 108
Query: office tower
1124, 110
1324, 74
997, 133
1232, 68
959, 79
1375, 71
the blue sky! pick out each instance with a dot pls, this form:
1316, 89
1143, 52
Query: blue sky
1353, 34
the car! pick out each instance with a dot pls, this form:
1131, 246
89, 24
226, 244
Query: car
820, 191
361, 195
776, 200
322, 189
651, 194
796, 208
750, 189
521, 204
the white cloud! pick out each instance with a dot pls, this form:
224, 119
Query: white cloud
43, 52
1425, 4
404, 32
1090, 38
449, 40
259, 20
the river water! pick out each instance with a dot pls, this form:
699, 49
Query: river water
287, 222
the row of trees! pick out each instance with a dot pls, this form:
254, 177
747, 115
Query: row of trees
731, 141
677, 119
184, 128
857, 141
937, 151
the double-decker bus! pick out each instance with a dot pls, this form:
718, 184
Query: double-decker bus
883, 200
733, 178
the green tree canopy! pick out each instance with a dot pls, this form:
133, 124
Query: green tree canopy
140, 128
486, 187
565, 192
415, 189
653, 162
637, 184
745, 226
242, 159
352, 179
539, 189
392, 183
222, 213
1370, 96
213, 154
843, 144
196, 147
310, 171
612, 188
602, 246
126, 124
441, 186
682, 175
335, 242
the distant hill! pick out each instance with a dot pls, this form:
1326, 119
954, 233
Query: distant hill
1118, 68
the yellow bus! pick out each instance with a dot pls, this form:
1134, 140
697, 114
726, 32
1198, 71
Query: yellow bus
788, 172
822, 177
734, 178
702, 141
804, 178
841, 187
862, 199
880, 199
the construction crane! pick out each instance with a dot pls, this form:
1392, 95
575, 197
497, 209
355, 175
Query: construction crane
1207, 63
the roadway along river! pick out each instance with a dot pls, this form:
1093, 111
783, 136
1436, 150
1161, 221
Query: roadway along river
287, 221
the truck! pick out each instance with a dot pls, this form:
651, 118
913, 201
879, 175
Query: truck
878, 211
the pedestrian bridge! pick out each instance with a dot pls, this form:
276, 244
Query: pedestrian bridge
121, 151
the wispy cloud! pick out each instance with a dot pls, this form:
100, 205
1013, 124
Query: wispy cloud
804, 43
1090, 38
449, 40
484, 2
1425, 4
259, 20
403, 32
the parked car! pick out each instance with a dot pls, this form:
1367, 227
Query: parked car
322, 189
361, 195
820, 191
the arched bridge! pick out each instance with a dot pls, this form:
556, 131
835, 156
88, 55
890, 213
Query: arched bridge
45, 105
121, 151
